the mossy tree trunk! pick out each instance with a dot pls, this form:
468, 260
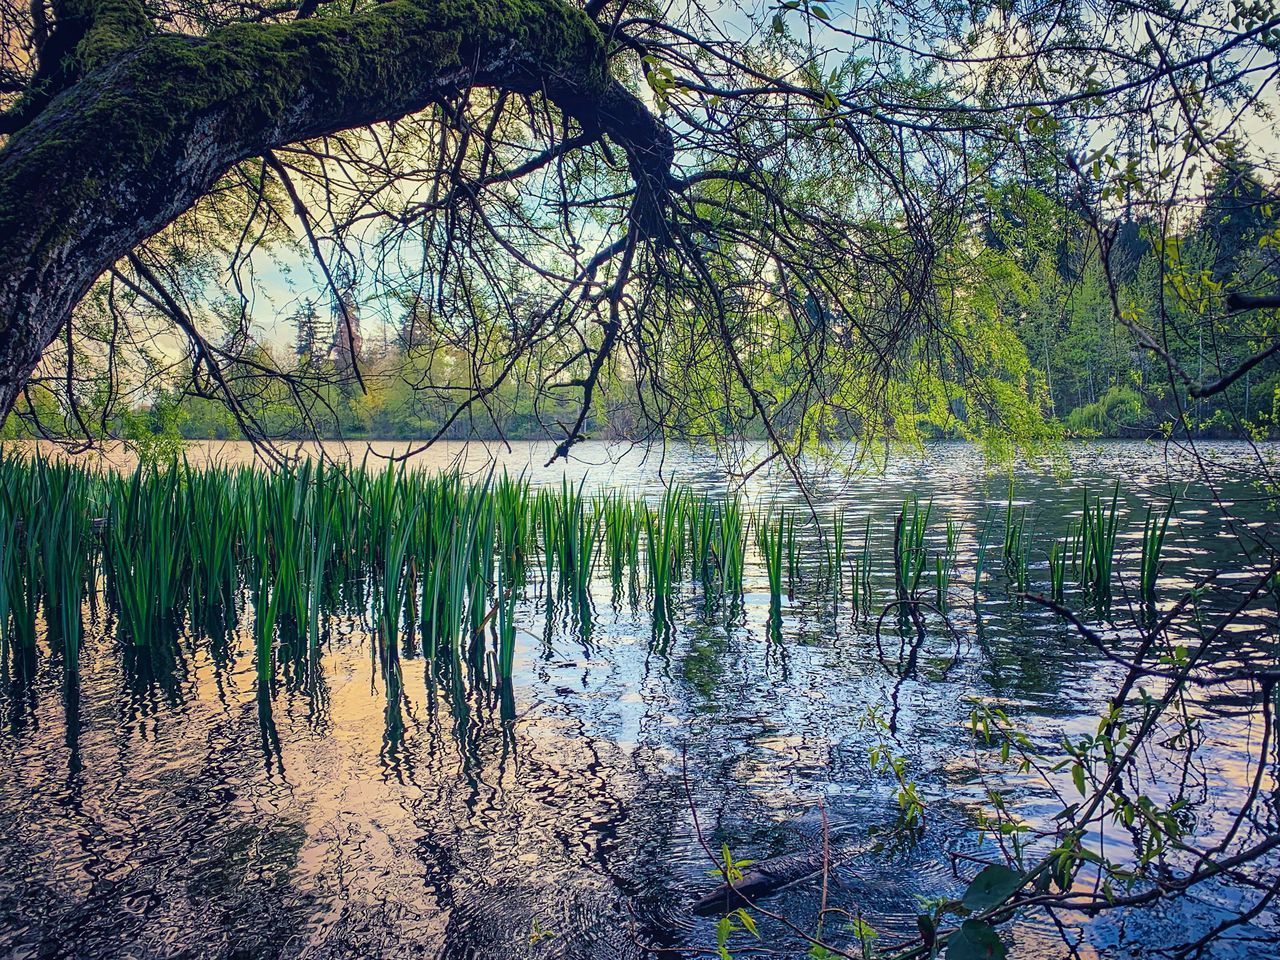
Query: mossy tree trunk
143, 123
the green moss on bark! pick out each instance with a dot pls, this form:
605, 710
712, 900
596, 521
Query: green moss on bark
251, 86
109, 27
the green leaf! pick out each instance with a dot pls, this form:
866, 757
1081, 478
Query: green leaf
1077, 777
723, 928
975, 940
993, 886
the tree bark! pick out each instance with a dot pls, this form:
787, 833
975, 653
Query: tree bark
129, 146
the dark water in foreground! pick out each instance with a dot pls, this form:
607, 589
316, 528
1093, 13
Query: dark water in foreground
160, 810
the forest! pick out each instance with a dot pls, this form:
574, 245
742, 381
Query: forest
1038, 284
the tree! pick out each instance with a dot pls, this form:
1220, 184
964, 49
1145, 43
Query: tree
307, 339
621, 180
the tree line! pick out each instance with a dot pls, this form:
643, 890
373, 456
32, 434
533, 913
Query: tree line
1053, 291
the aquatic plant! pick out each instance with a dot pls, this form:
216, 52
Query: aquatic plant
793, 556
1154, 528
835, 555
623, 530
1058, 567
145, 553
860, 575
1098, 523
1014, 528
770, 538
910, 553
215, 528
445, 561
731, 547
945, 565
980, 553
19, 560
664, 534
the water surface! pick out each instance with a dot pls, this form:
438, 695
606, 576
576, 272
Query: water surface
159, 808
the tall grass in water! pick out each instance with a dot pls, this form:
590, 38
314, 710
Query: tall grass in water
980, 555
1017, 545
262, 590
212, 499
1098, 544
702, 518
570, 522
910, 552
835, 557
440, 558
623, 526
146, 555
732, 548
512, 528
1154, 528
394, 595
664, 537
64, 536
945, 566
860, 575
771, 541
20, 569
10, 567
793, 557
1058, 568
715, 546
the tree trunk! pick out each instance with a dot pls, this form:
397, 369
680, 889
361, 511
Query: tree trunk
128, 147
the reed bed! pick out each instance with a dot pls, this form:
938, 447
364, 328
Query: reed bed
441, 565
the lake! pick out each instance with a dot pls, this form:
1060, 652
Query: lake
158, 810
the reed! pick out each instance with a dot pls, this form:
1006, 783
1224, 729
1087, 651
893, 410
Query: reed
623, 529
65, 538
1016, 552
980, 554
860, 574
835, 556
215, 528
394, 594
1099, 519
10, 570
1015, 523
793, 556
703, 519
20, 568
1058, 568
449, 560
512, 500
508, 599
664, 536
910, 551
731, 547
770, 541
945, 566
146, 553
1154, 528
264, 597
570, 524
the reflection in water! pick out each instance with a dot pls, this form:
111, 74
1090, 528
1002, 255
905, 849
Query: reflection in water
386, 802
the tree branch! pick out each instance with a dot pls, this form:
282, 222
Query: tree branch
179, 111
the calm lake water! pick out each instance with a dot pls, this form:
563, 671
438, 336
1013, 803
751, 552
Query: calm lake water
157, 810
